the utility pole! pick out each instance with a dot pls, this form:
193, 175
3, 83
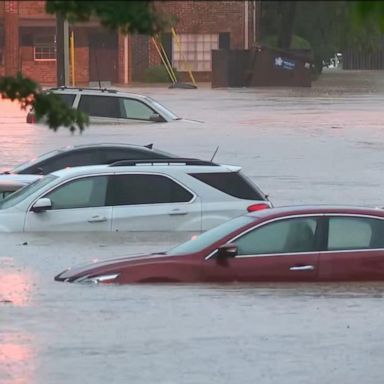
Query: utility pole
66, 53
62, 51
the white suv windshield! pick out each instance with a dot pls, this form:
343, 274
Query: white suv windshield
160, 108
21, 194
198, 243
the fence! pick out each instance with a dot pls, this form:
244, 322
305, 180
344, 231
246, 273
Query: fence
359, 60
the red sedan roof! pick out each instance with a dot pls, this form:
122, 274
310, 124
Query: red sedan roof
316, 209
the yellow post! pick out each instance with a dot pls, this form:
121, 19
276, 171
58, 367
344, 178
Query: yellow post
170, 73
188, 65
166, 57
72, 45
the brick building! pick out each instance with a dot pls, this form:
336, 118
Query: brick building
28, 41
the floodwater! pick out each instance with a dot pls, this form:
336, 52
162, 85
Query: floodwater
323, 144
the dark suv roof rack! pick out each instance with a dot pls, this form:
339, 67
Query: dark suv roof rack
62, 88
177, 161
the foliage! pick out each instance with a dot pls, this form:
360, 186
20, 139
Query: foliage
296, 43
124, 15
157, 74
369, 10
329, 26
48, 106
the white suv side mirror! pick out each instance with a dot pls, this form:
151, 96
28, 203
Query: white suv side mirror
156, 118
42, 205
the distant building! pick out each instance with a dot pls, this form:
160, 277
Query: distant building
28, 41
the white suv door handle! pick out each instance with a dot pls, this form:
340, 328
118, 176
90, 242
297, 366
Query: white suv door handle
302, 268
97, 219
177, 211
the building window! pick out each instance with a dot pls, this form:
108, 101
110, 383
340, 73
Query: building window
194, 52
44, 48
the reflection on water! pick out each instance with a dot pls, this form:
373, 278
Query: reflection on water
17, 358
15, 287
327, 291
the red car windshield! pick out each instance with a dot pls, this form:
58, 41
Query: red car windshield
204, 240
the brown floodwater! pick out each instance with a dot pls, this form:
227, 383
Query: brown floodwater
323, 144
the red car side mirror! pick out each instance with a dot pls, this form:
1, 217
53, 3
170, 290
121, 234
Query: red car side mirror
226, 251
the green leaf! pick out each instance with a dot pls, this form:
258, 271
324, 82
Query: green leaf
47, 107
124, 15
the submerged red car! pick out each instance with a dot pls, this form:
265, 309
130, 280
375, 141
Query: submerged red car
287, 244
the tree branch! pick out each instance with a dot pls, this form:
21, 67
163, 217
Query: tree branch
46, 106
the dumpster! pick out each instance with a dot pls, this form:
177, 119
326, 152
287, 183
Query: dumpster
261, 67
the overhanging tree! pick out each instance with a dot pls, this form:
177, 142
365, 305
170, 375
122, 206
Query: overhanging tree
329, 26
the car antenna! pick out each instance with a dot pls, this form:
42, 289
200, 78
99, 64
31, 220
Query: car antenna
215, 153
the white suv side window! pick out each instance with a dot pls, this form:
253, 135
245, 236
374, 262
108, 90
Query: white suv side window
80, 193
100, 106
68, 98
138, 189
134, 109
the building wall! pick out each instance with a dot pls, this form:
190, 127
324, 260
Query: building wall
207, 17
33, 8
11, 38
81, 56
204, 17
191, 17
42, 71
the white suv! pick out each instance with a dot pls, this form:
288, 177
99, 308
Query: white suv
159, 195
112, 106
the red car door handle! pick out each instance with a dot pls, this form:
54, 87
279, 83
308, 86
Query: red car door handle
302, 268
97, 219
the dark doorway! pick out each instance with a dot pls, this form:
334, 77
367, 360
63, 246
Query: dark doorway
140, 56
103, 57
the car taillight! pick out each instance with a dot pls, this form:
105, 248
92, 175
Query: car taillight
31, 118
257, 207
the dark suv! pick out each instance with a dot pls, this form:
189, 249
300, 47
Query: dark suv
74, 156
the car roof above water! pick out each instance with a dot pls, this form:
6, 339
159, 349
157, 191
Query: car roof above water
103, 144
96, 91
314, 209
146, 167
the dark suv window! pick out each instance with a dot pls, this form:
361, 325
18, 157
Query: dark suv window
101, 106
72, 159
145, 189
231, 183
111, 155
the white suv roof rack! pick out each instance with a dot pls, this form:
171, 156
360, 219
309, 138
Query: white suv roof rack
63, 88
175, 161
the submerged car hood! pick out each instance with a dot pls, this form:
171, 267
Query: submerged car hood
106, 266
189, 121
